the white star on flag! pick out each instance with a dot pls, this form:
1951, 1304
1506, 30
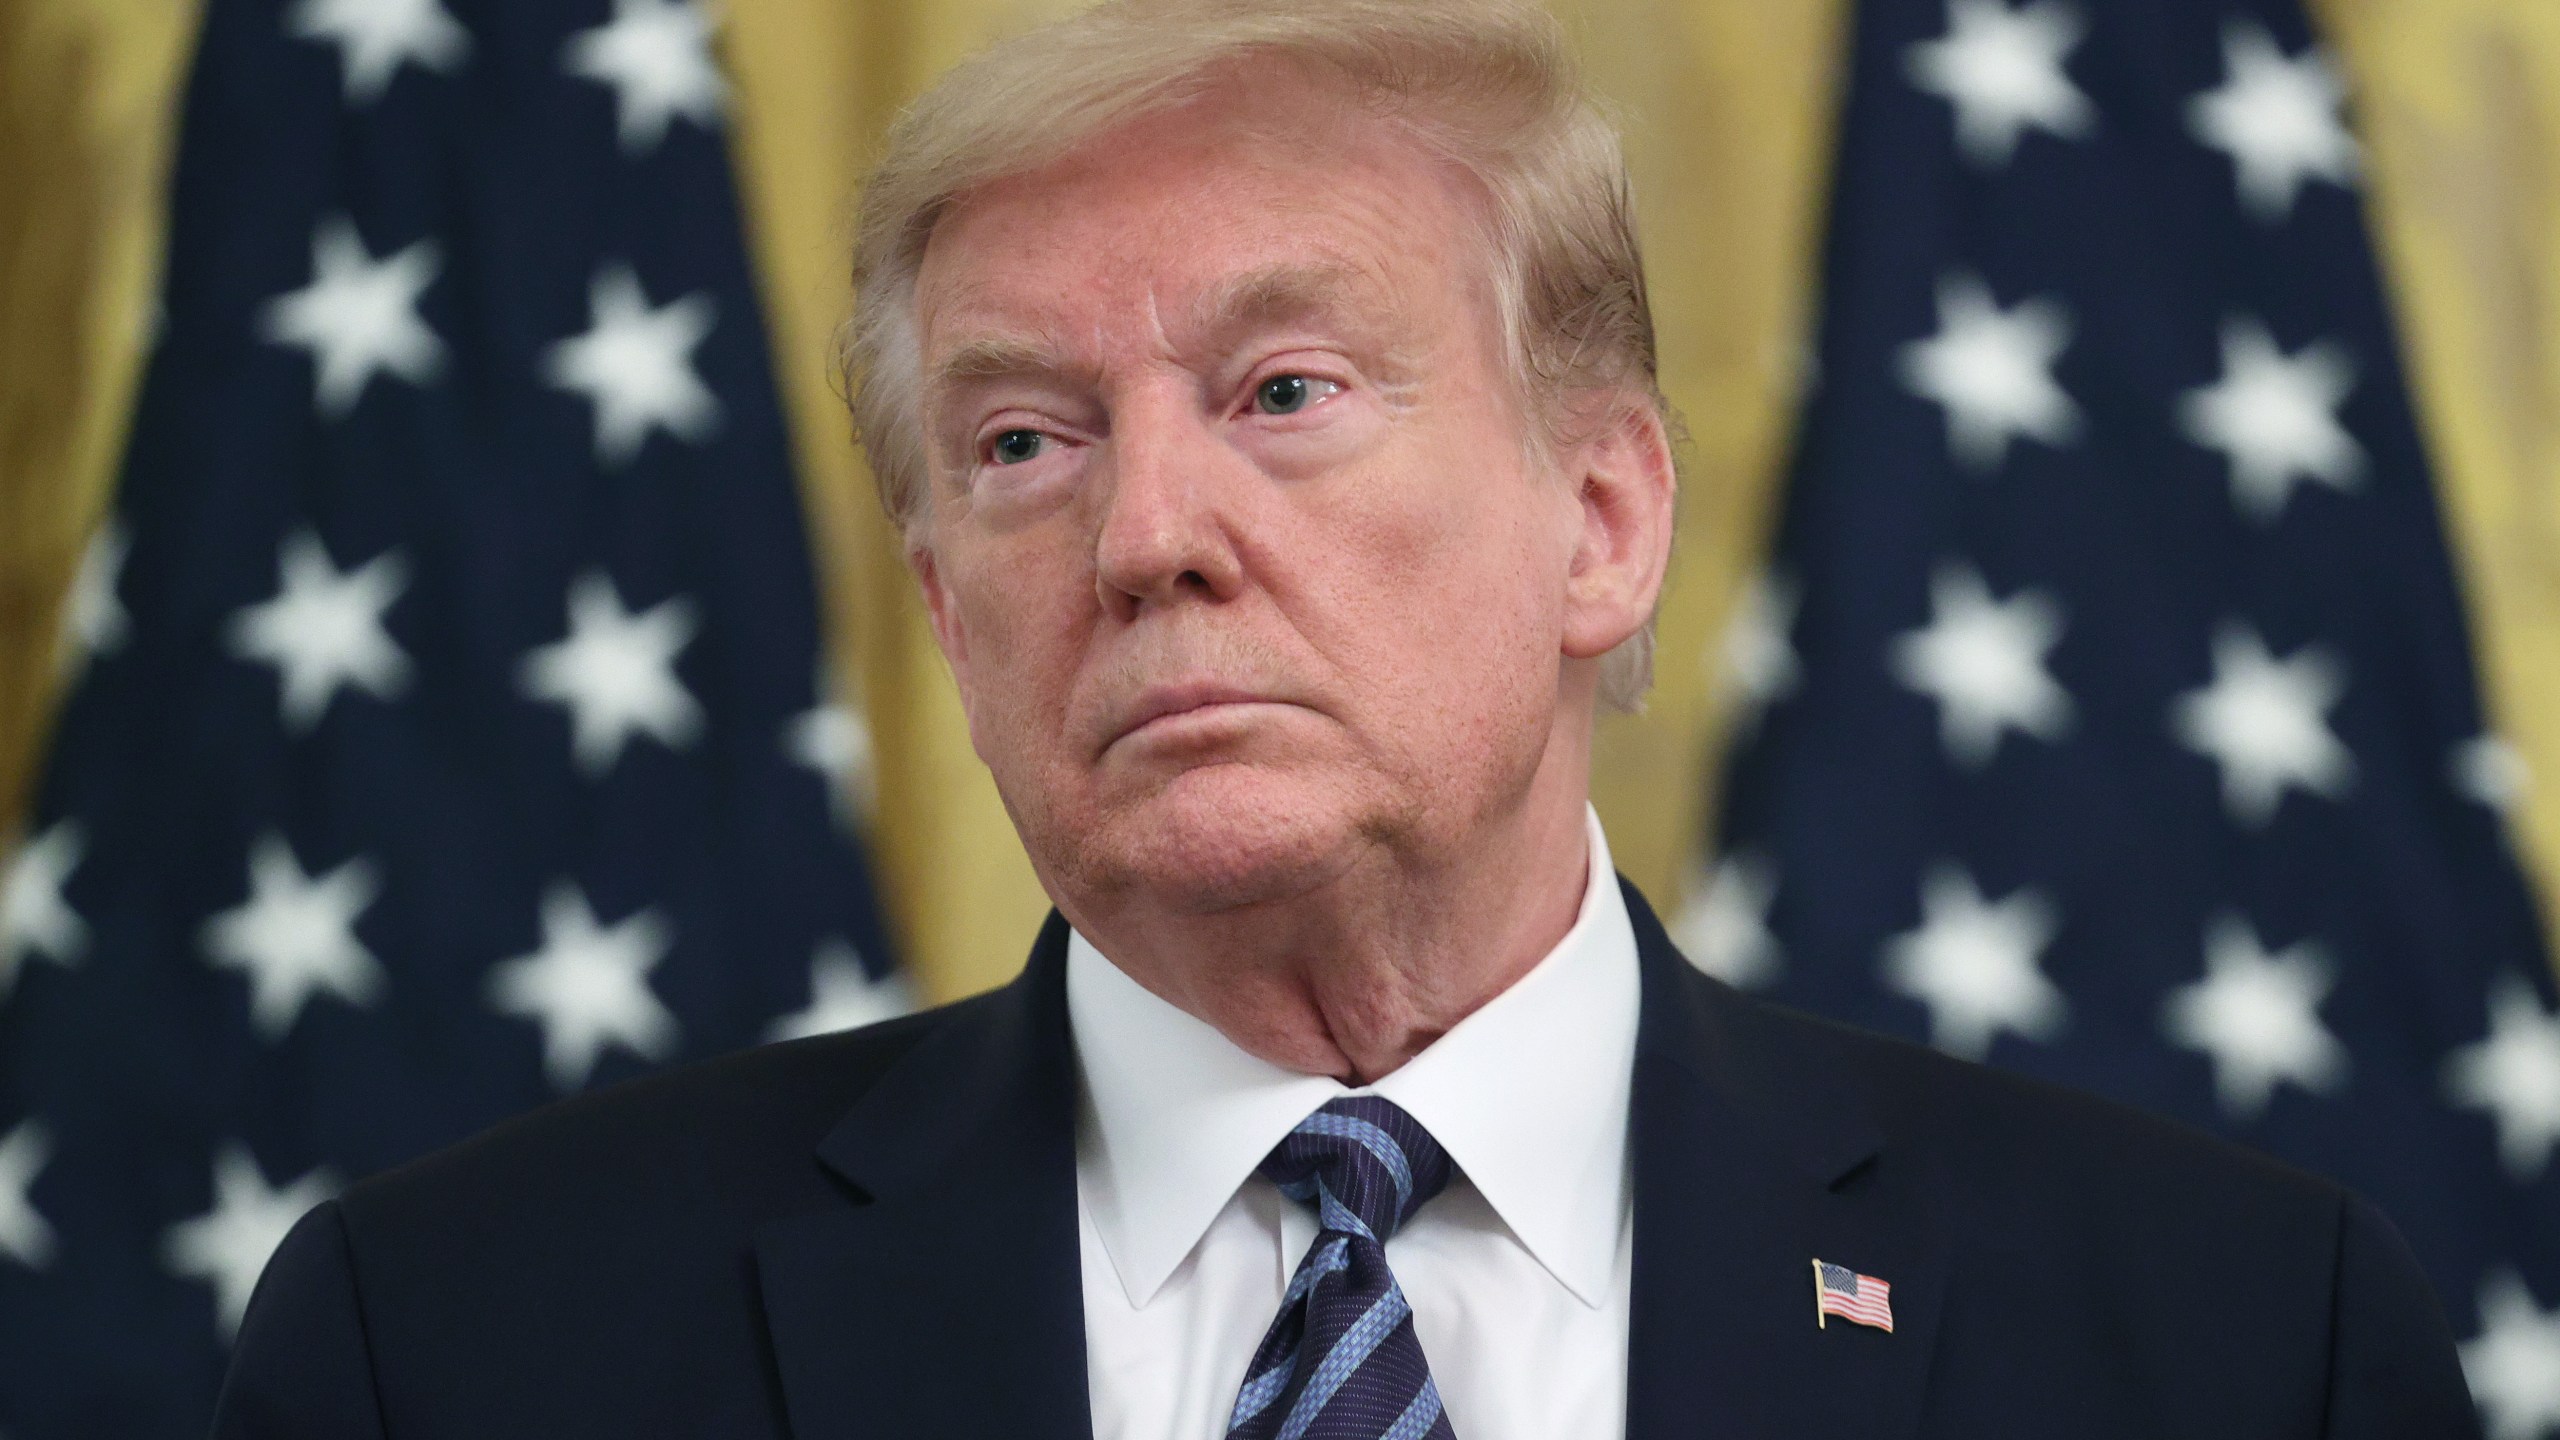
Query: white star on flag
1723, 927
228, 1246
2262, 721
588, 987
656, 54
2514, 1074
2277, 119
359, 316
323, 629
2489, 771
1756, 653
842, 996
2275, 416
24, 1234
1982, 660
1993, 371
1973, 963
2256, 1016
35, 918
375, 37
635, 365
831, 739
94, 621
2002, 70
615, 673
295, 937
2514, 1363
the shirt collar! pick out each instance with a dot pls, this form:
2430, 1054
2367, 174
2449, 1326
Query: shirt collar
1529, 1095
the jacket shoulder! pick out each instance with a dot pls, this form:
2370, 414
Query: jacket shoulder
1997, 1127
736, 1133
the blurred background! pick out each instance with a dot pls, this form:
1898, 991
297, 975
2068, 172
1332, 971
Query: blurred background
450, 656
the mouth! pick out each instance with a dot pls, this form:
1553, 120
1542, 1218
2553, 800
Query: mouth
1169, 707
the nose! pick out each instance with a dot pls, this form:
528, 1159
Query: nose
1164, 534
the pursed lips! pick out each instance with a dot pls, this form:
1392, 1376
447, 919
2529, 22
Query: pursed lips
1164, 702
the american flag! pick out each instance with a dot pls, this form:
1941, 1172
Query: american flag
2111, 710
1860, 1299
451, 732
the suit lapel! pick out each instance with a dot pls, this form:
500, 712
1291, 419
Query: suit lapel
946, 1298
1755, 1155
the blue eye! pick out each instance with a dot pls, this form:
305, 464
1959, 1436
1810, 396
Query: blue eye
1283, 395
1015, 446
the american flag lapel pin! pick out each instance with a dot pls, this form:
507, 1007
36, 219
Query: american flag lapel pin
1858, 1299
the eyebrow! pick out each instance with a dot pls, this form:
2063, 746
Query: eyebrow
1276, 293
993, 357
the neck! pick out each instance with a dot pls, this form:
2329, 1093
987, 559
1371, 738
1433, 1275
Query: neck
1357, 976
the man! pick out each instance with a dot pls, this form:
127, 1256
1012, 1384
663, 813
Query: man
1266, 394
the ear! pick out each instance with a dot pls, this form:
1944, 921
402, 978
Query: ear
944, 613
1627, 488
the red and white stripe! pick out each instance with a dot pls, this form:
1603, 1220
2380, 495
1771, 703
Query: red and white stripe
1869, 1301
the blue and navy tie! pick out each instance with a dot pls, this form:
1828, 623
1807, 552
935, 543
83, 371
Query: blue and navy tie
1342, 1361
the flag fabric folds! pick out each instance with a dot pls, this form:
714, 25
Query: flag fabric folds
2112, 716
451, 734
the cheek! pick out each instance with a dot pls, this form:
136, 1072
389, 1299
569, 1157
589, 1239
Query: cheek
1449, 568
1016, 606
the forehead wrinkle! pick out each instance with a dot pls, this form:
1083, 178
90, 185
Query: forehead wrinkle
1290, 290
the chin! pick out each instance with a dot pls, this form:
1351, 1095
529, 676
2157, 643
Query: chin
1222, 837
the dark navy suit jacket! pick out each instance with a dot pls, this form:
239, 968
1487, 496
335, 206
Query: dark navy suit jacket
874, 1234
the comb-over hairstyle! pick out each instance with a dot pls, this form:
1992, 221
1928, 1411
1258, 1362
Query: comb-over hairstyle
1487, 85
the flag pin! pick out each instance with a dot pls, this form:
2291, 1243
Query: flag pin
1858, 1299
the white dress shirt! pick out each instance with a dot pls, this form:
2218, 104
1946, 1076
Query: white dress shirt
1517, 1272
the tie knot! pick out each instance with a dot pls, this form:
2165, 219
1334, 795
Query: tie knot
1363, 1163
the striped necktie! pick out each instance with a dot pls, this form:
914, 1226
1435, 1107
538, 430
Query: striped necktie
1342, 1362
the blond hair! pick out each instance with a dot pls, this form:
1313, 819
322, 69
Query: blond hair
1486, 84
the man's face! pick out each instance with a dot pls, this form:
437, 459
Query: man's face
1236, 544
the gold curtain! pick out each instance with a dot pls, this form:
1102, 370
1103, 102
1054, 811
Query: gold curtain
1728, 105
2459, 105
88, 92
